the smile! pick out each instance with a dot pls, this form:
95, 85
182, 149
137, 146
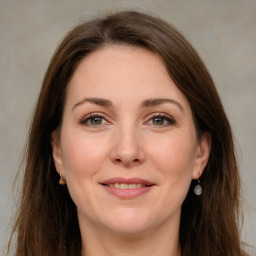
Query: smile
126, 186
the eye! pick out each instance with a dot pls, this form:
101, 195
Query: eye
161, 120
94, 120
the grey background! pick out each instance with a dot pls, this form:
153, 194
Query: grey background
222, 31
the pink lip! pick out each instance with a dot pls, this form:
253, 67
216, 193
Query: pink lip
127, 193
127, 181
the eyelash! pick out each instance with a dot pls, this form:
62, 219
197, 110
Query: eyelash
163, 117
90, 117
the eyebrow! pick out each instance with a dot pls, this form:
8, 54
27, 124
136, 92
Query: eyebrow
157, 102
96, 101
145, 103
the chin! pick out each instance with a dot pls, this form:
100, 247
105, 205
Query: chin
131, 222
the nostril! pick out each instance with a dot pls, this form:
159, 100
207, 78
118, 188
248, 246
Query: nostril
118, 160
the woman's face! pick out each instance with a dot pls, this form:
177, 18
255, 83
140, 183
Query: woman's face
127, 145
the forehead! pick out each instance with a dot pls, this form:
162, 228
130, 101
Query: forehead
114, 59
122, 73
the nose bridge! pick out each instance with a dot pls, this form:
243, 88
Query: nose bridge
127, 148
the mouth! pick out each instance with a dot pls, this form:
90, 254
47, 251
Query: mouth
127, 188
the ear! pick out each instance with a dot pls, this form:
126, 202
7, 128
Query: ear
56, 151
202, 155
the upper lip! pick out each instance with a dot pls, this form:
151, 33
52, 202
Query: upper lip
127, 181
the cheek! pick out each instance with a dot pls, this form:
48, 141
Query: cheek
174, 158
82, 155
83, 158
175, 154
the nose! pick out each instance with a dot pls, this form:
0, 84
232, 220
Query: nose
127, 147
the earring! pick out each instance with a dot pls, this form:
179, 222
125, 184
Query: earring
62, 181
198, 188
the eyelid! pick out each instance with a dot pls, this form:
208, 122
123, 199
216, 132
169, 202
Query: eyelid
167, 117
89, 116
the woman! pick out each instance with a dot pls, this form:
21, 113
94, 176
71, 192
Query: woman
130, 125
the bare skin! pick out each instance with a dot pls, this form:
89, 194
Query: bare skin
128, 150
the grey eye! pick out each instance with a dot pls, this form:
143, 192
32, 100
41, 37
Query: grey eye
96, 120
161, 120
158, 120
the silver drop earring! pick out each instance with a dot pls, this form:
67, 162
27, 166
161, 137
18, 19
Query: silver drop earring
198, 188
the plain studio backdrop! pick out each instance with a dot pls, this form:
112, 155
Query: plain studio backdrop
223, 33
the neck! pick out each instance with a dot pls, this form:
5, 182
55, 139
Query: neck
152, 242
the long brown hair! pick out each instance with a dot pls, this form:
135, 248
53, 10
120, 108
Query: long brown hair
46, 222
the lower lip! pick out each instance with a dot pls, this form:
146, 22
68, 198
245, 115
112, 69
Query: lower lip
127, 193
